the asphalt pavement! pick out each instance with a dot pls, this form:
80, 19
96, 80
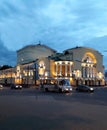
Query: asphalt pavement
33, 109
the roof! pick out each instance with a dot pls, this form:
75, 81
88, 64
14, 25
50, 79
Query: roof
36, 45
82, 47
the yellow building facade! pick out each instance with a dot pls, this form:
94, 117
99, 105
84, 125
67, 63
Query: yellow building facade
39, 62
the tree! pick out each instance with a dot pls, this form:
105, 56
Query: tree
5, 67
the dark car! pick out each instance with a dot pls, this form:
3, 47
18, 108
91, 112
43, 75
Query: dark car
16, 86
84, 88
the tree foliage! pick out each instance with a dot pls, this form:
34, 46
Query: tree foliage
5, 67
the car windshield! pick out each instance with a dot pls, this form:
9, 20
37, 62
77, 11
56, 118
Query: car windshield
65, 82
84, 87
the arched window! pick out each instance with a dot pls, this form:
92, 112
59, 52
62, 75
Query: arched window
88, 63
42, 68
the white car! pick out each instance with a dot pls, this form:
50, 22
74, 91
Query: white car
65, 88
61, 85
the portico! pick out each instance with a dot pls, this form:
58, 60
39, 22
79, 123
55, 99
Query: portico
63, 68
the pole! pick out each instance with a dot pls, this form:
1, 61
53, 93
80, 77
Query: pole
36, 75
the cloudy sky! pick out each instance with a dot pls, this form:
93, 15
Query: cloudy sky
60, 24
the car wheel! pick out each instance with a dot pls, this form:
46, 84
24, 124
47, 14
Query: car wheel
46, 89
89, 91
60, 90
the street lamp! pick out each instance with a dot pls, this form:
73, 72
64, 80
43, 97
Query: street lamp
36, 75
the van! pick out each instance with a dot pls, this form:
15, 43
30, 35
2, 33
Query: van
58, 85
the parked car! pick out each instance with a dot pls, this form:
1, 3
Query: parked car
1, 86
16, 86
84, 88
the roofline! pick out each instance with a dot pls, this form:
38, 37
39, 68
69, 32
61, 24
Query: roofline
34, 45
77, 47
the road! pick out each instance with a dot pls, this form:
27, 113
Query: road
32, 109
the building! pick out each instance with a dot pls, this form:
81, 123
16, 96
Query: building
32, 52
86, 66
39, 62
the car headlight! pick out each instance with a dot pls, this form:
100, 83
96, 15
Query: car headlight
1, 86
91, 88
71, 89
16, 86
66, 88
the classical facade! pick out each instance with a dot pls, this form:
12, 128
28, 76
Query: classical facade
83, 66
39, 62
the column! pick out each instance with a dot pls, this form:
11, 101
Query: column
70, 69
56, 69
60, 68
88, 72
66, 69
83, 72
91, 73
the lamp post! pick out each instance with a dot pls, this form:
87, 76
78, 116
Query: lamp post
11, 76
27, 75
36, 75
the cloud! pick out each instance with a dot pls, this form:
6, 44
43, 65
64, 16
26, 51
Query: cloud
51, 21
100, 44
7, 57
58, 24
